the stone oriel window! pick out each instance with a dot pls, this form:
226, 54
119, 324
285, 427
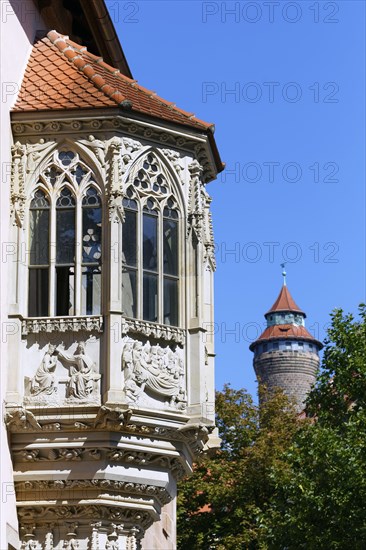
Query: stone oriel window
65, 240
150, 251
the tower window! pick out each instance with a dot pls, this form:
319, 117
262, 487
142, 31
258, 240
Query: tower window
66, 210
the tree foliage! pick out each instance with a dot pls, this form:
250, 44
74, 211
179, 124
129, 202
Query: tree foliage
283, 483
220, 504
322, 504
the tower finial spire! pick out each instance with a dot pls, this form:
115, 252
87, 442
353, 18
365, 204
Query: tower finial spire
284, 273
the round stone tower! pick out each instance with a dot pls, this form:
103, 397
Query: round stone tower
286, 355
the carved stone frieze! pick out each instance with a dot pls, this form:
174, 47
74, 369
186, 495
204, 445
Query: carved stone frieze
118, 124
91, 512
126, 456
113, 486
153, 330
82, 534
72, 324
157, 370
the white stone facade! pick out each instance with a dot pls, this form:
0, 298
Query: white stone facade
104, 411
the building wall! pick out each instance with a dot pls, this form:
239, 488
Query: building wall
165, 430
293, 371
115, 447
19, 23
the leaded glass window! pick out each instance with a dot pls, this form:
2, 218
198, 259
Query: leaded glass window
65, 236
150, 247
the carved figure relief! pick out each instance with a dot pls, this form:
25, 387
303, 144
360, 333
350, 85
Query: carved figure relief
82, 384
156, 370
50, 386
97, 146
44, 379
35, 152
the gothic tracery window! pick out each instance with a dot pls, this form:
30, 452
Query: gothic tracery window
150, 255
65, 229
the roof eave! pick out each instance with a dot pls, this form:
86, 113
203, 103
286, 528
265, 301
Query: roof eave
47, 115
105, 34
300, 338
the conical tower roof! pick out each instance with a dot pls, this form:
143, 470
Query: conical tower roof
285, 329
285, 302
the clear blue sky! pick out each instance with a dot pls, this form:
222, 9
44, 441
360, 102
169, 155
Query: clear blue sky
292, 134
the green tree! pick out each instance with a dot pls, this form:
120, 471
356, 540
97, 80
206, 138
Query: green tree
219, 505
321, 503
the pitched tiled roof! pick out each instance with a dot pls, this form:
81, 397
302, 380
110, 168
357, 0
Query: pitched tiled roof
285, 302
64, 75
285, 331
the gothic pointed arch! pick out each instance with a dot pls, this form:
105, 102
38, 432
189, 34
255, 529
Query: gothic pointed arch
152, 174
153, 244
65, 237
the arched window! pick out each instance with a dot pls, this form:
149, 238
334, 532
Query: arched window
150, 255
65, 227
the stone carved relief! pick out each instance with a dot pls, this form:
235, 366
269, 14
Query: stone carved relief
195, 200
35, 152
112, 538
44, 379
174, 158
19, 419
199, 214
17, 183
29, 540
115, 173
82, 385
107, 417
95, 535
48, 541
155, 369
97, 146
71, 542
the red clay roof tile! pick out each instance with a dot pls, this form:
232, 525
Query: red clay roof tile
281, 332
285, 302
59, 69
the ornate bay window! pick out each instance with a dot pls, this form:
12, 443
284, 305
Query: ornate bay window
151, 246
65, 238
